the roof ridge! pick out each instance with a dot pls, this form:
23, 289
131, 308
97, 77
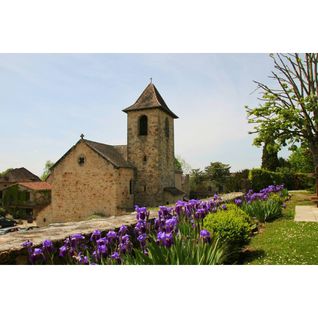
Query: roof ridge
150, 98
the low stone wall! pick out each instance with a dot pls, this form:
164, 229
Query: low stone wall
12, 253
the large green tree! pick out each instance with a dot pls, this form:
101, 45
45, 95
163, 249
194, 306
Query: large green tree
288, 113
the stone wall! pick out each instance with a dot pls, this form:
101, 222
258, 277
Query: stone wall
152, 155
78, 191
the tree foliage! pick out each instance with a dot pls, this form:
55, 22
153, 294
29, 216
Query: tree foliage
288, 113
47, 169
300, 160
185, 167
217, 171
270, 159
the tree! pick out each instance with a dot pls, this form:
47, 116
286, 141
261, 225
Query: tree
288, 113
270, 159
177, 164
47, 170
185, 167
3, 173
300, 160
217, 171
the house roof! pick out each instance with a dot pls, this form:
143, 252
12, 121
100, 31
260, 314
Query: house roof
173, 191
18, 174
40, 185
109, 153
150, 98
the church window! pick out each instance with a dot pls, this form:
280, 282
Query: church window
81, 160
167, 127
145, 188
131, 190
143, 125
145, 159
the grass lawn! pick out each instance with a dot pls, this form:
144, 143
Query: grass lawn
284, 241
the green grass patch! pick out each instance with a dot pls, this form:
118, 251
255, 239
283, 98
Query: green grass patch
285, 241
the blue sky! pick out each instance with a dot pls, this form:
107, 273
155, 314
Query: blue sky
48, 100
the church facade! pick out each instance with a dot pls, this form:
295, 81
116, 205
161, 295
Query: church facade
96, 178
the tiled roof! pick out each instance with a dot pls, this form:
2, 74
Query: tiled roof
41, 185
150, 98
19, 174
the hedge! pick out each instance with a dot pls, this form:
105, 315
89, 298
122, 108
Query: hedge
261, 178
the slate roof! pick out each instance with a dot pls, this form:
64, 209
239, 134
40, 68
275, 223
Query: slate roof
173, 191
37, 185
109, 153
150, 98
19, 174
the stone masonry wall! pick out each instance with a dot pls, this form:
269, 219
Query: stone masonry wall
157, 171
80, 191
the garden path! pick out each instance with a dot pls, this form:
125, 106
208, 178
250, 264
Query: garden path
306, 213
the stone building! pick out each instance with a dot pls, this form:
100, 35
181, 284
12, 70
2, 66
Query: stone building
96, 178
13, 176
25, 199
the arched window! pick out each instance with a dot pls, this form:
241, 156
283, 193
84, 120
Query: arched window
167, 127
143, 125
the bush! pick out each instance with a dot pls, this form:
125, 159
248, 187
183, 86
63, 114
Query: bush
233, 228
264, 210
2, 212
261, 178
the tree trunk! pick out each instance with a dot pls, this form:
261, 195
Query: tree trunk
314, 152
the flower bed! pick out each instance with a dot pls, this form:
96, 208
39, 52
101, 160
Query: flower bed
176, 236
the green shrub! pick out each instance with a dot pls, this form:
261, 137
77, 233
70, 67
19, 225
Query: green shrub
261, 178
2, 212
264, 210
233, 227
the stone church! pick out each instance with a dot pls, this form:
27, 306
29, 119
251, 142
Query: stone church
96, 178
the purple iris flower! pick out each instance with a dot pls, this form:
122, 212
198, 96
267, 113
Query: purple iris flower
102, 241
111, 236
122, 230
165, 212
200, 214
142, 239
27, 244
76, 238
95, 235
115, 256
102, 249
238, 202
140, 227
62, 251
205, 235
124, 247
142, 213
47, 245
224, 207
180, 207
83, 260
37, 253
171, 224
166, 239
125, 239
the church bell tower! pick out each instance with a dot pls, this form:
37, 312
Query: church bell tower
150, 146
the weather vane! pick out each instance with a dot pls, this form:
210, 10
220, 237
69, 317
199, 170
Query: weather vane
151, 80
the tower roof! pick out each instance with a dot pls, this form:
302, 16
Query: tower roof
150, 98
